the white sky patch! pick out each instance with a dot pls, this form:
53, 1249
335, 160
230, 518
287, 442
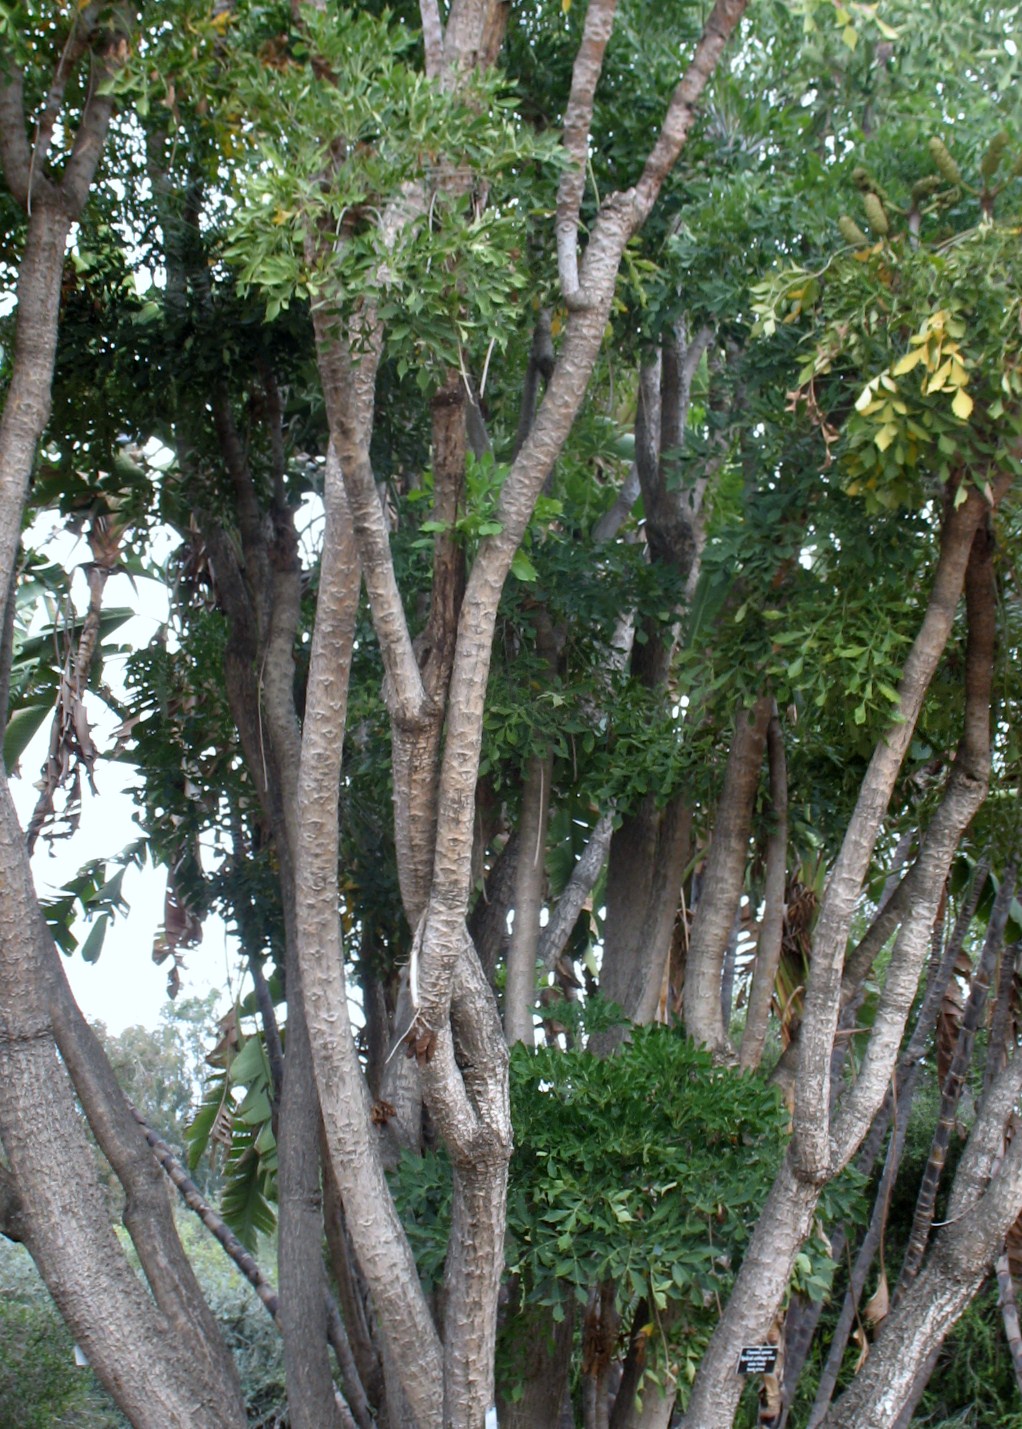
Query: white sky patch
125, 986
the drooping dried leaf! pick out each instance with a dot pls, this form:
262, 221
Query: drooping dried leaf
878, 1305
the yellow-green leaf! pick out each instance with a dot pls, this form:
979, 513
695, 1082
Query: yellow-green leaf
962, 404
906, 363
939, 378
885, 436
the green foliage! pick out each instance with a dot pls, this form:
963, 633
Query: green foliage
236, 1115
40, 1384
330, 158
926, 335
645, 1170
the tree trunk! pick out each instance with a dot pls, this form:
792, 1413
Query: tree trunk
959, 1262
530, 876
723, 879
63, 1217
540, 1369
954, 1083
820, 1149
768, 950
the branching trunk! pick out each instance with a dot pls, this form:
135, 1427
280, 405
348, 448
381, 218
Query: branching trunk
819, 1151
980, 1215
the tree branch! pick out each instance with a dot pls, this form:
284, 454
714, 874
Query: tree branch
578, 117
812, 1093
14, 151
576, 891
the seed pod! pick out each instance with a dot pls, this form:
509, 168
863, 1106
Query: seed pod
995, 153
861, 179
923, 188
945, 164
876, 215
851, 232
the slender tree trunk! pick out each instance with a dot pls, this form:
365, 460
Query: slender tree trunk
768, 951
723, 879
520, 987
954, 1082
379, 1240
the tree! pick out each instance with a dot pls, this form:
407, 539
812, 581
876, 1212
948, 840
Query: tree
477, 286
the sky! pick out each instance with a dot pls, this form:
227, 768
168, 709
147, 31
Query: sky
125, 986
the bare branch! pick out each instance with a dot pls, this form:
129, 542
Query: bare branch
578, 118
214, 1223
348, 393
576, 891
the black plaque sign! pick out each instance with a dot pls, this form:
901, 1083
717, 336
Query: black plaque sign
757, 1359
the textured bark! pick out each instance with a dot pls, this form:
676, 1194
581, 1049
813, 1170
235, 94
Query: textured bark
376, 1232
980, 1215
261, 596
942, 966
578, 117
818, 1150
866, 1254
724, 879
127, 1338
784, 1222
